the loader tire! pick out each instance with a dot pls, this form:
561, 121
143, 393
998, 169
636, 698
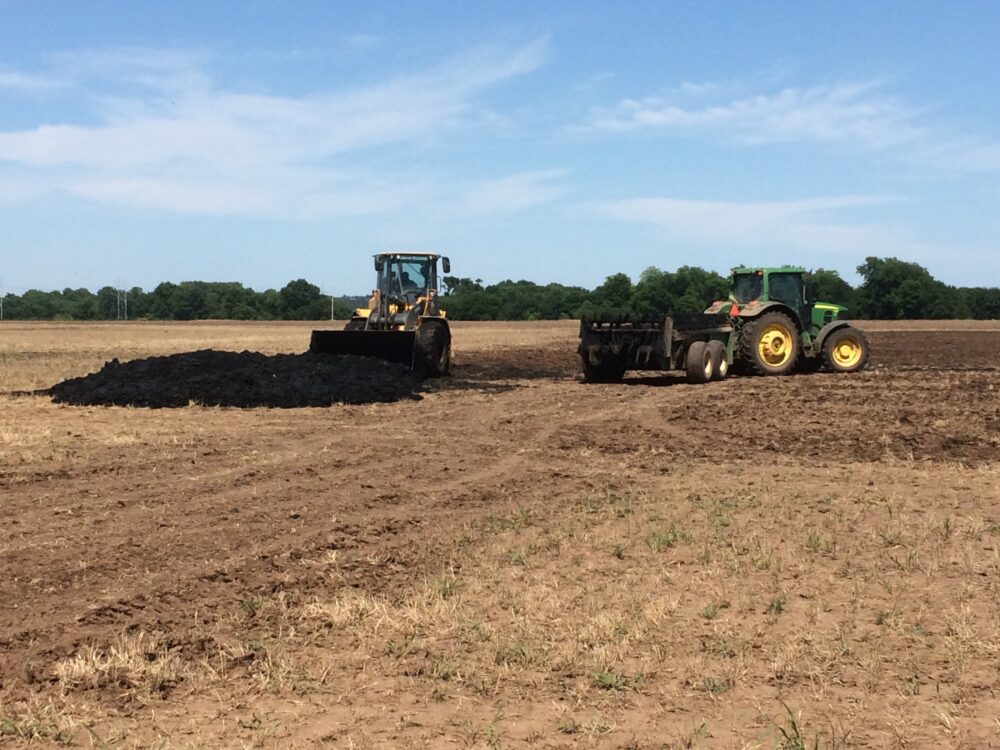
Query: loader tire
720, 360
603, 373
846, 350
700, 363
433, 355
769, 345
356, 324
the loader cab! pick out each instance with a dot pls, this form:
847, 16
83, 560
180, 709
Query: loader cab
407, 276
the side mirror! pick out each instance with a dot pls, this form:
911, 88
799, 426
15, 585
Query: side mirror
378, 264
445, 265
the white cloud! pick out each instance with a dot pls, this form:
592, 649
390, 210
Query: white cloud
963, 155
182, 144
27, 82
802, 226
515, 192
860, 112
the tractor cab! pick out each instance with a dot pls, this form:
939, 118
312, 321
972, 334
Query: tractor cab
790, 286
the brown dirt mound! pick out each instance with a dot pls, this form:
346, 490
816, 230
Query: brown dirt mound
241, 379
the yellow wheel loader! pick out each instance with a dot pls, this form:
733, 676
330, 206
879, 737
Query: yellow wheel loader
403, 322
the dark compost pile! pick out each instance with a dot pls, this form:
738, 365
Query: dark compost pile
243, 379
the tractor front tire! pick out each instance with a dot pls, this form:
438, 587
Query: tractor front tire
433, 353
846, 350
720, 360
769, 345
700, 363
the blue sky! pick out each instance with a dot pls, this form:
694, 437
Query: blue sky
265, 141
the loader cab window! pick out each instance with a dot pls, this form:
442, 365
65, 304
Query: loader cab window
747, 286
408, 275
786, 287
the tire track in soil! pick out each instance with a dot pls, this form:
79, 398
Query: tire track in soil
159, 581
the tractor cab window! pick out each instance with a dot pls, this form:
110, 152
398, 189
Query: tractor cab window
786, 287
747, 286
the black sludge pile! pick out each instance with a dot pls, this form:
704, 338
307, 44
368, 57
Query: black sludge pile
244, 379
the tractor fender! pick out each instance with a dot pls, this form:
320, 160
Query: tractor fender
826, 331
765, 307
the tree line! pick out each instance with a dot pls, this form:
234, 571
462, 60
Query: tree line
188, 300
890, 289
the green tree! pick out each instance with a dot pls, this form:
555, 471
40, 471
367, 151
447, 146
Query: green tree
893, 289
300, 300
653, 293
981, 303
614, 292
106, 304
695, 289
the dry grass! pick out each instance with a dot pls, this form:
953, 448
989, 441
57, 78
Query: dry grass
766, 596
137, 661
775, 617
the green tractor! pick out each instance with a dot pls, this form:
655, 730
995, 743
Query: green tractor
780, 327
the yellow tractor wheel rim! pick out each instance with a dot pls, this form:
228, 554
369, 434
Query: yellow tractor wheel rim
847, 352
775, 345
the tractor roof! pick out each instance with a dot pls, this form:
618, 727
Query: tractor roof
769, 269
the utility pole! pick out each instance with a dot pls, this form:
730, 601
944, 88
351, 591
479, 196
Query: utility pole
125, 294
332, 316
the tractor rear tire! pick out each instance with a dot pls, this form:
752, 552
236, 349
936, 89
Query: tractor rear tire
603, 373
433, 355
356, 324
769, 345
700, 363
846, 350
720, 360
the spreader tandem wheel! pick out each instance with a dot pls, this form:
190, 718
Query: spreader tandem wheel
720, 360
700, 363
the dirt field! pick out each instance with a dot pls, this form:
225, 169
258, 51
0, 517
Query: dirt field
516, 559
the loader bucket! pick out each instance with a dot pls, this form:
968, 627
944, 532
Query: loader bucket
392, 346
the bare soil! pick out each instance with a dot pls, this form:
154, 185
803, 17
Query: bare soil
517, 559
